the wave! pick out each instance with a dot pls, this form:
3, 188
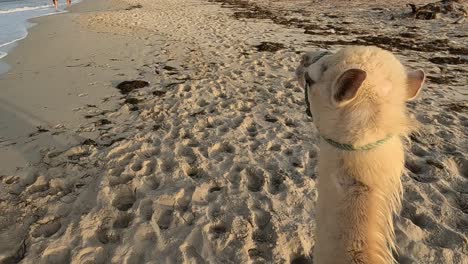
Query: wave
25, 8
12, 41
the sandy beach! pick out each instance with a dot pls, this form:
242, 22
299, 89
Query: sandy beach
213, 158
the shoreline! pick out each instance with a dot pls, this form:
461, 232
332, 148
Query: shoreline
29, 24
46, 87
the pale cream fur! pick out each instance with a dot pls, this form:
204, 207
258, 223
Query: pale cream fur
359, 191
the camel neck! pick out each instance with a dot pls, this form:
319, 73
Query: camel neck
351, 147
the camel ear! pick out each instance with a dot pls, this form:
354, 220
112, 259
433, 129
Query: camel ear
300, 75
308, 59
414, 83
347, 86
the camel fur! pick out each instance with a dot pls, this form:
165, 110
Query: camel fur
358, 96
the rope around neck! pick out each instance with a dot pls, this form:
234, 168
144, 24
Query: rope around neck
350, 147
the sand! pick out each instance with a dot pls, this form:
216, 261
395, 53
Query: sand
214, 161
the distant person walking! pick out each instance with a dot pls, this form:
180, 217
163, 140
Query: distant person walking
56, 4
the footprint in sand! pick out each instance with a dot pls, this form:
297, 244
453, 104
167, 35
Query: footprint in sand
186, 153
136, 166
273, 146
218, 229
250, 128
271, 118
150, 182
148, 167
424, 221
123, 220
95, 255
191, 255
302, 260
119, 180
290, 122
446, 238
192, 171
167, 164
254, 179
275, 182
263, 234
222, 147
183, 199
419, 150
145, 209
47, 229
105, 234
56, 255
163, 217
123, 197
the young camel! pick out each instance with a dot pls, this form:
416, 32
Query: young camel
357, 99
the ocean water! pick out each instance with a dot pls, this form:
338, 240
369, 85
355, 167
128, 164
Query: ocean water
14, 15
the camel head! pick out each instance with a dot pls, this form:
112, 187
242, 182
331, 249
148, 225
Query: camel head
357, 91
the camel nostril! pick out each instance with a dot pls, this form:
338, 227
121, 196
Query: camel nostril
308, 112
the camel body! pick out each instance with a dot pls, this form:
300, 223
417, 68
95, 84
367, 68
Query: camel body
357, 98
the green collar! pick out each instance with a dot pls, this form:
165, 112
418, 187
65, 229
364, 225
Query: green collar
350, 147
